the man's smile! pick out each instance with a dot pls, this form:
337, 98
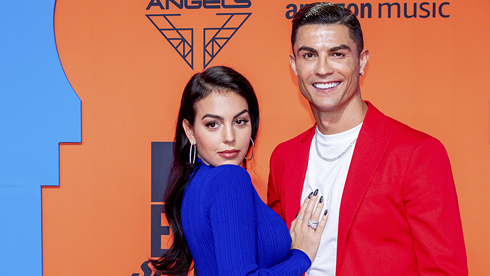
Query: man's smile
323, 85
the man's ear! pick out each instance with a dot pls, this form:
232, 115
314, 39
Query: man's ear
363, 59
292, 61
189, 131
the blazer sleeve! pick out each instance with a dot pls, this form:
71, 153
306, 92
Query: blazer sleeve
432, 211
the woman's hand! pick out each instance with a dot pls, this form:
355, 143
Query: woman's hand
307, 228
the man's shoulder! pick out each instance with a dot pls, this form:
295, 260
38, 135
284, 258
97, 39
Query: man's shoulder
297, 141
404, 131
394, 127
405, 136
291, 152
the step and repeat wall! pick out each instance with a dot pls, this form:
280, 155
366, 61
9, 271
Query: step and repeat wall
111, 77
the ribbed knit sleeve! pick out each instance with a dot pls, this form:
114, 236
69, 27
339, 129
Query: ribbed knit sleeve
234, 224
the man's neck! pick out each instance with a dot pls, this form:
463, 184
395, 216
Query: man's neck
343, 119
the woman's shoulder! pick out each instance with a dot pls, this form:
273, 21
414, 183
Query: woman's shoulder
232, 175
229, 168
221, 182
226, 172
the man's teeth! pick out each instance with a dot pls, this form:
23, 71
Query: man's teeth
326, 85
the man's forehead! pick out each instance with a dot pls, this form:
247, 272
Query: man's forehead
334, 35
331, 28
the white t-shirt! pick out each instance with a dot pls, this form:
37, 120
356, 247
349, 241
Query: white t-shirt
329, 178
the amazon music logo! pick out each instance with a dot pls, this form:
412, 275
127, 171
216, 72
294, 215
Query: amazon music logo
387, 10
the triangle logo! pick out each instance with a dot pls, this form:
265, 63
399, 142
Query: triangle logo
216, 38
181, 39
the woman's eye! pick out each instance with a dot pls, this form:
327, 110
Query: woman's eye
241, 122
212, 125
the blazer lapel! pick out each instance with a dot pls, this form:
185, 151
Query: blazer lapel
295, 173
369, 151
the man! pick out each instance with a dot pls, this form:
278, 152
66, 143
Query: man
388, 188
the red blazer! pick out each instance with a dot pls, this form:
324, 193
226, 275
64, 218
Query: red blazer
399, 212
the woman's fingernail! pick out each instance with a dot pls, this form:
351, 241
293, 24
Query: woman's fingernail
321, 199
309, 196
326, 212
316, 192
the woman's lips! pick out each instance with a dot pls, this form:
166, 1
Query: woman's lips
229, 153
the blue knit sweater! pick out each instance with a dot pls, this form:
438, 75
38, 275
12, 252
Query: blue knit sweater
231, 231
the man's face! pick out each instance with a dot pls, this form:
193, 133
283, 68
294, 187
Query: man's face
328, 65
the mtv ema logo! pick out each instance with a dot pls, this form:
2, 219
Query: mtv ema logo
181, 38
161, 162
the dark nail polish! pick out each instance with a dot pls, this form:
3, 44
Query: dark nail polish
326, 212
321, 199
309, 196
316, 192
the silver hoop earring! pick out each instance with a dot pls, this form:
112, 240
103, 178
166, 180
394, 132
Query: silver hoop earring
192, 154
253, 150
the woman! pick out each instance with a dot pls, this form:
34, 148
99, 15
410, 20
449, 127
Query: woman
215, 214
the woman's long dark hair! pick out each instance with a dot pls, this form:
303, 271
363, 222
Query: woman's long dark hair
178, 259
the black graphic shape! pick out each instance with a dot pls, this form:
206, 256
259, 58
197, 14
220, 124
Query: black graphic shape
216, 38
161, 161
182, 39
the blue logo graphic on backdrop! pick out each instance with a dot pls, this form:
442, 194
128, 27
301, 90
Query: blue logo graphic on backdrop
182, 38
38, 110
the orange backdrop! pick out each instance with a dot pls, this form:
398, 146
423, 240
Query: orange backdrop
427, 71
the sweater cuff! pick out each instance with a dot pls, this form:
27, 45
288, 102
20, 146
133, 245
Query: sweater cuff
303, 260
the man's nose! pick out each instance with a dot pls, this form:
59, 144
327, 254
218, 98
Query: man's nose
323, 67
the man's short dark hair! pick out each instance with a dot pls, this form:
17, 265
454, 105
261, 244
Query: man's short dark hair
325, 13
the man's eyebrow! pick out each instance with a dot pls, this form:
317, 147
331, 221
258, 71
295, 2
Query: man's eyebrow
306, 48
333, 49
340, 47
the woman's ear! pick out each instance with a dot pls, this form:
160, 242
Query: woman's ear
189, 131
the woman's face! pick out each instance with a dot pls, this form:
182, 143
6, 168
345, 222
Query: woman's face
222, 128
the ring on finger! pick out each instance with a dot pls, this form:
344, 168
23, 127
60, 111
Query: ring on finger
313, 224
298, 217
